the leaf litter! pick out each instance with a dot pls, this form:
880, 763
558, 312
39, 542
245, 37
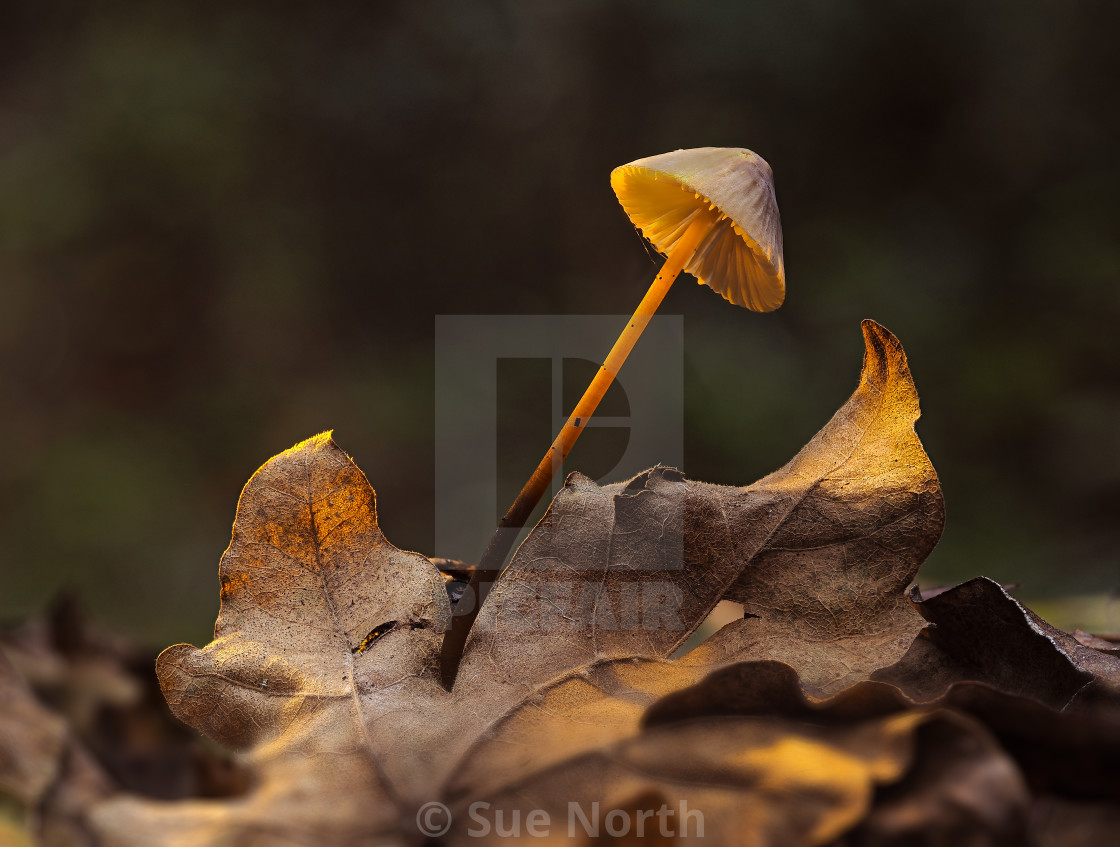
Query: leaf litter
841, 709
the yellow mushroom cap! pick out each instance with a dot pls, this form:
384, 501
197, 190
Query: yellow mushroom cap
741, 257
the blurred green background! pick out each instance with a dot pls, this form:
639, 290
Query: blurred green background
227, 226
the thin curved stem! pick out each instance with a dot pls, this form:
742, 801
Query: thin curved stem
493, 559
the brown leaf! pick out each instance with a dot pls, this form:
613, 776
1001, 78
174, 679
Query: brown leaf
981, 633
324, 657
1069, 752
1066, 752
578, 712
318, 786
307, 579
1107, 645
820, 551
961, 789
761, 781
862, 508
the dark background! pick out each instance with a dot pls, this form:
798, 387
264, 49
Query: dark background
225, 227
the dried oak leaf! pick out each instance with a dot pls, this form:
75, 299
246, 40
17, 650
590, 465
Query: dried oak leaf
979, 632
323, 668
819, 552
324, 659
865, 510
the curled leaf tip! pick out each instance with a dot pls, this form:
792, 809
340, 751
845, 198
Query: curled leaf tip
886, 369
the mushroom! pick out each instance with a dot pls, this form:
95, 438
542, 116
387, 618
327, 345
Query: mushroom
712, 212
718, 190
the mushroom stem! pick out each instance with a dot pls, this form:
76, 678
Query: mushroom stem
493, 559
539, 482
